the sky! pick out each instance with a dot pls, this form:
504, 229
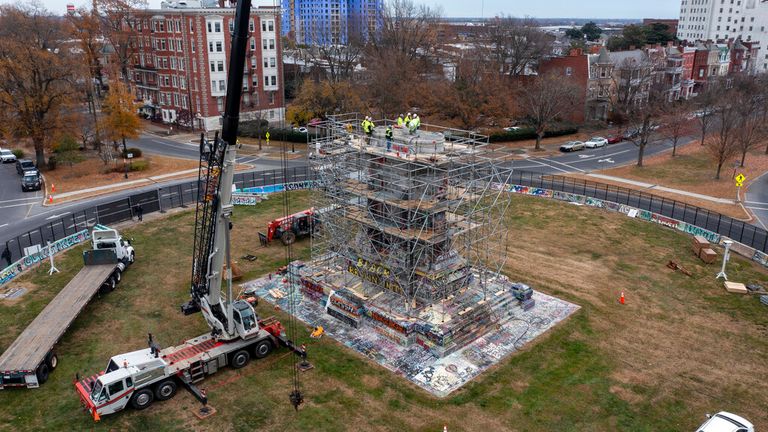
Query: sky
490, 8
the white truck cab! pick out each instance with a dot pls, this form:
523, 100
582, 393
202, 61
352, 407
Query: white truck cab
107, 238
726, 422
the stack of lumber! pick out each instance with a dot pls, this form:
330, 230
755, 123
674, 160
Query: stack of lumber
735, 287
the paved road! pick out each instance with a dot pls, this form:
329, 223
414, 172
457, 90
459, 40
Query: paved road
757, 199
14, 204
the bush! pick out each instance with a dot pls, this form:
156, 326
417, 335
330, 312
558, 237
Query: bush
51, 163
528, 133
141, 165
19, 153
136, 152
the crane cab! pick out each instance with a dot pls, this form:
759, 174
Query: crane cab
246, 321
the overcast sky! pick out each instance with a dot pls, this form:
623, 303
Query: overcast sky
489, 8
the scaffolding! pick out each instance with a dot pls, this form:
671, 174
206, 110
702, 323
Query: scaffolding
414, 220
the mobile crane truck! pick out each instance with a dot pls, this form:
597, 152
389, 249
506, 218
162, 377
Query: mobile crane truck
140, 377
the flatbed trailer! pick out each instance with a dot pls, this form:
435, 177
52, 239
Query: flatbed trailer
29, 360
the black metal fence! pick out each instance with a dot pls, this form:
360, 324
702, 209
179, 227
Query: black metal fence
735, 229
122, 209
185, 194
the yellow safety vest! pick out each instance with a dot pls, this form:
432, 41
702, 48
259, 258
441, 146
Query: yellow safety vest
400, 121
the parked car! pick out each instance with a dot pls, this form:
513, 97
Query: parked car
7, 156
512, 128
614, 139
726, 422
596, 142
630, 133
571, 146
23, 165
31, 181
302, 130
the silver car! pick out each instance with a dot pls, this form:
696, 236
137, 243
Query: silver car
7, 156
595, 142
572, 146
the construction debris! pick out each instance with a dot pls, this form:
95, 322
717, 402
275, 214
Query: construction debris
736, 287
677, 267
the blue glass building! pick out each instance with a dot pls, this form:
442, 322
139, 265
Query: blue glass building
329, 22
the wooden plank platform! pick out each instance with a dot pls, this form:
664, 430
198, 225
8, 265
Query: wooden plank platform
30, 348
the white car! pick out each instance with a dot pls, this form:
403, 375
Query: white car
726, 422
596, 142
7, 156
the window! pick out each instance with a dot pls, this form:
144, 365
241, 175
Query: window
271, 44
222, 85
165, 62
274, 80
245, 85
263, 44
218, 46
213, 86
217, 27
272, 62
210, 46
263, 26
220, 104
183, 83
192, 45
231, 26
175, 81
253, 45
167, 80
194, 67
115, 388
191, 26
569, 71
209, 27
173, 63
251, 28
253, 62
182, 64
266, 81
179, 46
255, 80
213, 66
162, 26
220, 65
271, 25
266, 62
162, 44
272, 97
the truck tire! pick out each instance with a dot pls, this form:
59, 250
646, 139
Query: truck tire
107, 286
52, 360
42, 373
240, 359
132, 258
118, 275
142, 399
165, 390
262, 349
288, 238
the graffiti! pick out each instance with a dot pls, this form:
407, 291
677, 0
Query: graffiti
31, 260
375, 274
713, 237
665, 221
246, 200
526, 190
594, 202
569, 197
300, 185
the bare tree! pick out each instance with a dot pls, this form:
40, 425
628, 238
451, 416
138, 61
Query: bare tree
640, 100
119, 28
339, 56
676, 122
545, 100
515, 45
706, 102
37, 74
85, 26
723, 145
748, 104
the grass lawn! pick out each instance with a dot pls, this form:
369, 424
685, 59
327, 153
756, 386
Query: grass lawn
679, 348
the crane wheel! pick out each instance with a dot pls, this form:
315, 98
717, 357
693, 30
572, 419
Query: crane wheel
42, 373
52, 360
240, 359
288, 238
142, 399
165, 390
262, 349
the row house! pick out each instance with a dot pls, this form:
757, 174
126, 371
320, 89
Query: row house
180, 68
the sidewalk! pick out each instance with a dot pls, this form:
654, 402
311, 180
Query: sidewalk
663, 189
90, 192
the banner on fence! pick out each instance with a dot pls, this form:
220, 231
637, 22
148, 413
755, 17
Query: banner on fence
32, 260
247, 199
306, 184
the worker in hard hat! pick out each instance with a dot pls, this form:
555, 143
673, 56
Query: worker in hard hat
388, 134
407, 120
413, 126
400, 120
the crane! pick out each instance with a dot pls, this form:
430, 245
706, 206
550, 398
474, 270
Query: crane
138, 378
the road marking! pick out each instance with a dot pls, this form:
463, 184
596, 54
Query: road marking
565, 165
585, 156
756, 202
19, 205
3, 225
609, 160
21, 199
55, 216
554, 167
757, 208
603, 156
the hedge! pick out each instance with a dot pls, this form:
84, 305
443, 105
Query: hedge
19, 153
528, 133
279, 134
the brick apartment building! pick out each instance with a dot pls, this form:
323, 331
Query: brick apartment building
180, 69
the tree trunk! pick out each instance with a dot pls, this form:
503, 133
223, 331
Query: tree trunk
538, 140
719, 167
39, 155
743, 156
640, 153
674, 147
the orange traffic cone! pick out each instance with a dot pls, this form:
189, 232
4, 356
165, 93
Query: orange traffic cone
50, 199
53, 188
621, 299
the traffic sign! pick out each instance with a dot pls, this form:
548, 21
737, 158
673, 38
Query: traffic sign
740, 180
266, 135
130, 155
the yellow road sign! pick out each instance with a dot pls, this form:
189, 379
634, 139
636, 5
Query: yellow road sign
740, 180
